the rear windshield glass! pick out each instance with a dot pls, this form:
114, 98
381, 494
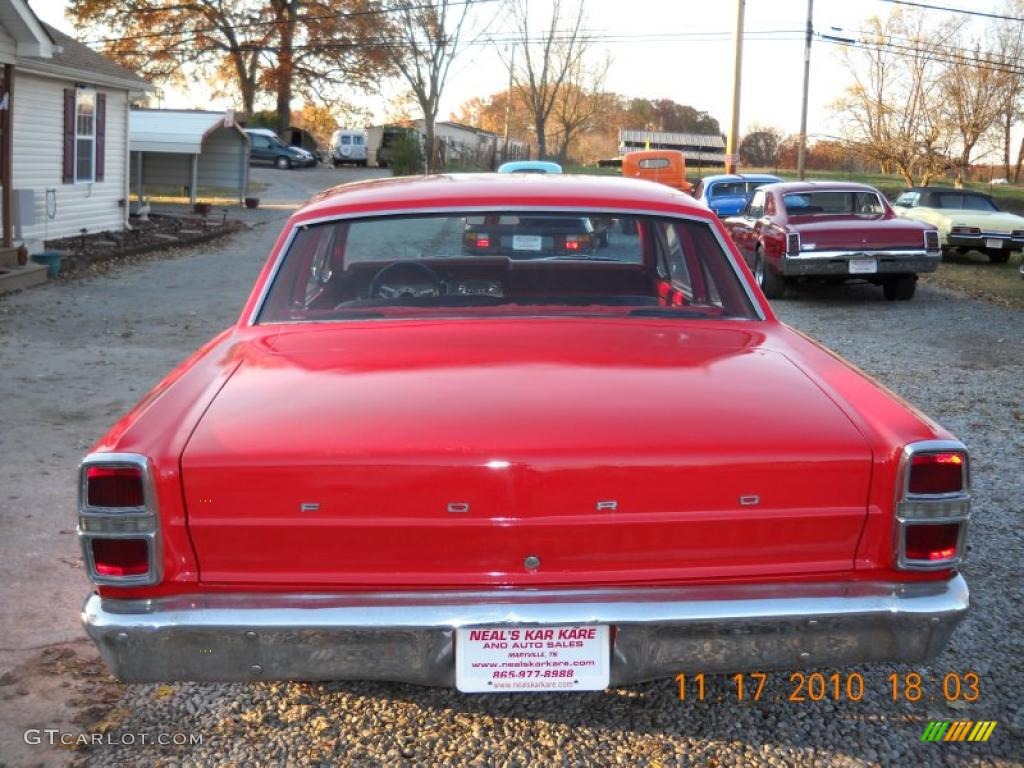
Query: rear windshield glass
729, 189
832, 202
509, 263
961, 201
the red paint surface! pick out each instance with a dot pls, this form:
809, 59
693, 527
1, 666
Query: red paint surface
530, 422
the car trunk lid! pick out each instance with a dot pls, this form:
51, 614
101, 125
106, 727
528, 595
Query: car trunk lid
450, 453
829, 233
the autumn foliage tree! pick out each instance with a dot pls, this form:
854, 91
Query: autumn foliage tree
245, 48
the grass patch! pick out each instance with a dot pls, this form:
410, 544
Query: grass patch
973, 274
213, 195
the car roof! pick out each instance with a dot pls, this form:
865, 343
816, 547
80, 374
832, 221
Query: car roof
740, 177
504, 190
517, 166
948, 190
821, 186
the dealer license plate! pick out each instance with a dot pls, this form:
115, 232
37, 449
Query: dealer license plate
510, 659
863, 266
526, 242
993, 243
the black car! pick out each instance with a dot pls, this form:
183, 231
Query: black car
529, 236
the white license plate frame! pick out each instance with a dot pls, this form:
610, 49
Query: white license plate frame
863, 266
527, 243
532, 659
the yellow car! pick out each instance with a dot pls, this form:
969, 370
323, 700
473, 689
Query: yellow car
966, 220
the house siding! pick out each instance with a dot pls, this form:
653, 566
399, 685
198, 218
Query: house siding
38, 163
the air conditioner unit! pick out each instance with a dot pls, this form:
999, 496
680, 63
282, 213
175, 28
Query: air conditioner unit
24, 209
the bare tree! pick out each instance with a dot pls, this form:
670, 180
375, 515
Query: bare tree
760, 147
893, 111
546, 62
1009, 90
428, 38
580, 99
970, 91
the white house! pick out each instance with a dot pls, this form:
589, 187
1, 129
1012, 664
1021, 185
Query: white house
70, 139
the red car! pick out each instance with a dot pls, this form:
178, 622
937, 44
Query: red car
405, 462
834, 231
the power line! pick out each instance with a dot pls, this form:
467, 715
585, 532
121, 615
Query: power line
923, 55
930, 7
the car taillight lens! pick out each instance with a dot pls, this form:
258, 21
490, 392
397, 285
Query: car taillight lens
120, 557
932, 543
931, 240
934, 505
117, 519
114, 487
793, 243
972, 231
936, 473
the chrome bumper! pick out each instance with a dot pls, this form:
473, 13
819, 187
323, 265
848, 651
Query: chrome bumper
835, 263
409, 637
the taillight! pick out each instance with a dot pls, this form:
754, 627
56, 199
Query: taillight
969, 231
937, 473
114, 486
120, 557
477, 240
117, 519
933, 505
793, 243
931, 240
932, 542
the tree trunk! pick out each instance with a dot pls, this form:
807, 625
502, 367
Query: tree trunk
1020, 162
542, 142
287, 12
1007, 126
428, 139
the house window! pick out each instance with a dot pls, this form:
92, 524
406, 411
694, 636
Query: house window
85, 135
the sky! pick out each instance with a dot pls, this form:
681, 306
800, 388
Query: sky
676, 49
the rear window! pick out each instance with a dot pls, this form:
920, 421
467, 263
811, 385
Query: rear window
830, 202
729, 189
654, 162
527, 263
958, 200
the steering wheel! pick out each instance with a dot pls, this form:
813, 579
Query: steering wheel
380, 290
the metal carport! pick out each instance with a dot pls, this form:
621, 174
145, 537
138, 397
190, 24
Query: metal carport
187, 148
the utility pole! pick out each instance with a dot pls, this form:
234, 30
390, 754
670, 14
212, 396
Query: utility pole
508, 101
802, 154
733, 143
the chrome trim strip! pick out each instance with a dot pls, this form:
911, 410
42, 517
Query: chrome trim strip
279, 260
910, 253
106, 518
410, 636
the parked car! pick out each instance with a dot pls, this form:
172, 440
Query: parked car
727, 194
348, 146
834, 231
267, 149
404, 462
966, 220
664, 166
599, 226
524, 236
529, 166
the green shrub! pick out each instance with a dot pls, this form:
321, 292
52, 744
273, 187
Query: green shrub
405, 157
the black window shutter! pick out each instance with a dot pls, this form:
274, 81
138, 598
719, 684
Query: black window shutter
69, 135
101, 134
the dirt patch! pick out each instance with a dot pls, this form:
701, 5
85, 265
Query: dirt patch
91, 253
62, 687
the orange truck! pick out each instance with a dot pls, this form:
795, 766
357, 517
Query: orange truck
665, 166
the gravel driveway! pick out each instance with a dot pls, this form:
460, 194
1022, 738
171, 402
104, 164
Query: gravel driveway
75, 355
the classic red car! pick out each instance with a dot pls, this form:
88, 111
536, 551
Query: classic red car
405, 462
835, 231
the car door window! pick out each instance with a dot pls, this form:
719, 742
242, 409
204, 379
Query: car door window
908, 199
755, 210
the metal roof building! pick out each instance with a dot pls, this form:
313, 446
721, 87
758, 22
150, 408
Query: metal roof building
708, 149
183, 148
